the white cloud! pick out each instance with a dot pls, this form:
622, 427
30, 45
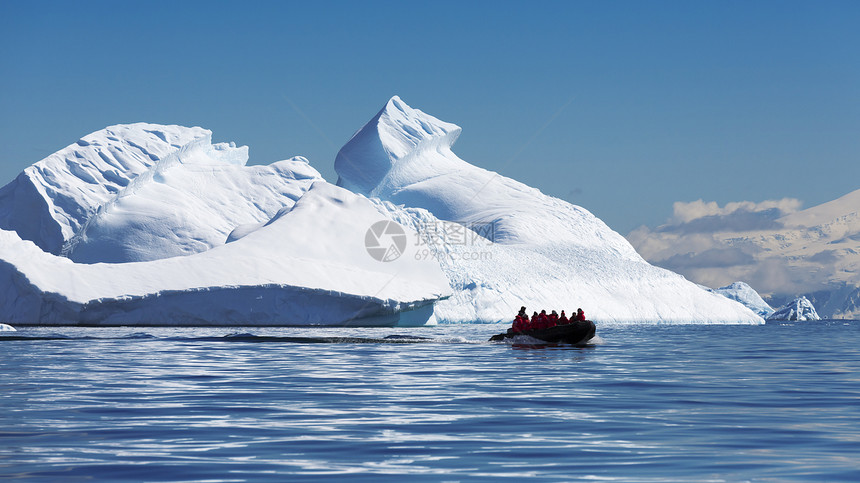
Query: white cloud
715, 245
686, 212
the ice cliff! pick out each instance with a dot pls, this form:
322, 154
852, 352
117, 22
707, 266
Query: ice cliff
503, 244
798, 309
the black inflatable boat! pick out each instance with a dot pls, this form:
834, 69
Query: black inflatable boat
577, 333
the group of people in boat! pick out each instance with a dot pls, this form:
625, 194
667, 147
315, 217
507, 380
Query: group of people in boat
522, 322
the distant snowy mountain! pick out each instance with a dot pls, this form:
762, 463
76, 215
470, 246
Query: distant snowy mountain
296, 270
743, 293
798, 309
503, 244
781, 253
143, 191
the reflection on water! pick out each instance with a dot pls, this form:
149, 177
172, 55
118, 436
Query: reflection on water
642, 404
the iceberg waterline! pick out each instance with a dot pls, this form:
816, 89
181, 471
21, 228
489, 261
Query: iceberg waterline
479, 244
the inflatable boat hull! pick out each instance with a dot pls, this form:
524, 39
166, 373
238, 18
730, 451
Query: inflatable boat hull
576, 333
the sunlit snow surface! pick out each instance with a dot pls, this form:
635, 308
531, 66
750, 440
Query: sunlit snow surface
544, 252
141, 192
296, 270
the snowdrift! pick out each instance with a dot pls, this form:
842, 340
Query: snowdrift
521, 247
308, 266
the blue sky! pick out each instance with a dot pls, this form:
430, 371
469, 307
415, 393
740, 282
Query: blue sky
620, 107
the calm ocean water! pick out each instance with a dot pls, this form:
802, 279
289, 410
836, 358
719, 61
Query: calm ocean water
647, 403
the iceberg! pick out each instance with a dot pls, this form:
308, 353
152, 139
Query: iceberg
146, 224
308, 266
503, 244
743, 293
798, 309
143, 191
6, 328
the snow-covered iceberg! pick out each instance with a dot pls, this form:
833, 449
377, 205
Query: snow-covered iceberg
6, 328
142, 192
743, 293
798, 309
309, 265
503, 244
196, 237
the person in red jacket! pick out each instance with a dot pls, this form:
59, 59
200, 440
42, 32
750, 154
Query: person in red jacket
563, 319
543, 320
534, 322
580, 315
553, 319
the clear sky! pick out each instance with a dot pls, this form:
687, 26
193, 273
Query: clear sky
620, 107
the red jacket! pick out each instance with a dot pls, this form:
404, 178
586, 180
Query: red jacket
521, 324
543, 321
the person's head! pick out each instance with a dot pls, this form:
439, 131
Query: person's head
534, 314
554, 312
579, 310
562, 312
543, 312
522, 309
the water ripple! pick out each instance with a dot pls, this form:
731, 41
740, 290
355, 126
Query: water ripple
657, 403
